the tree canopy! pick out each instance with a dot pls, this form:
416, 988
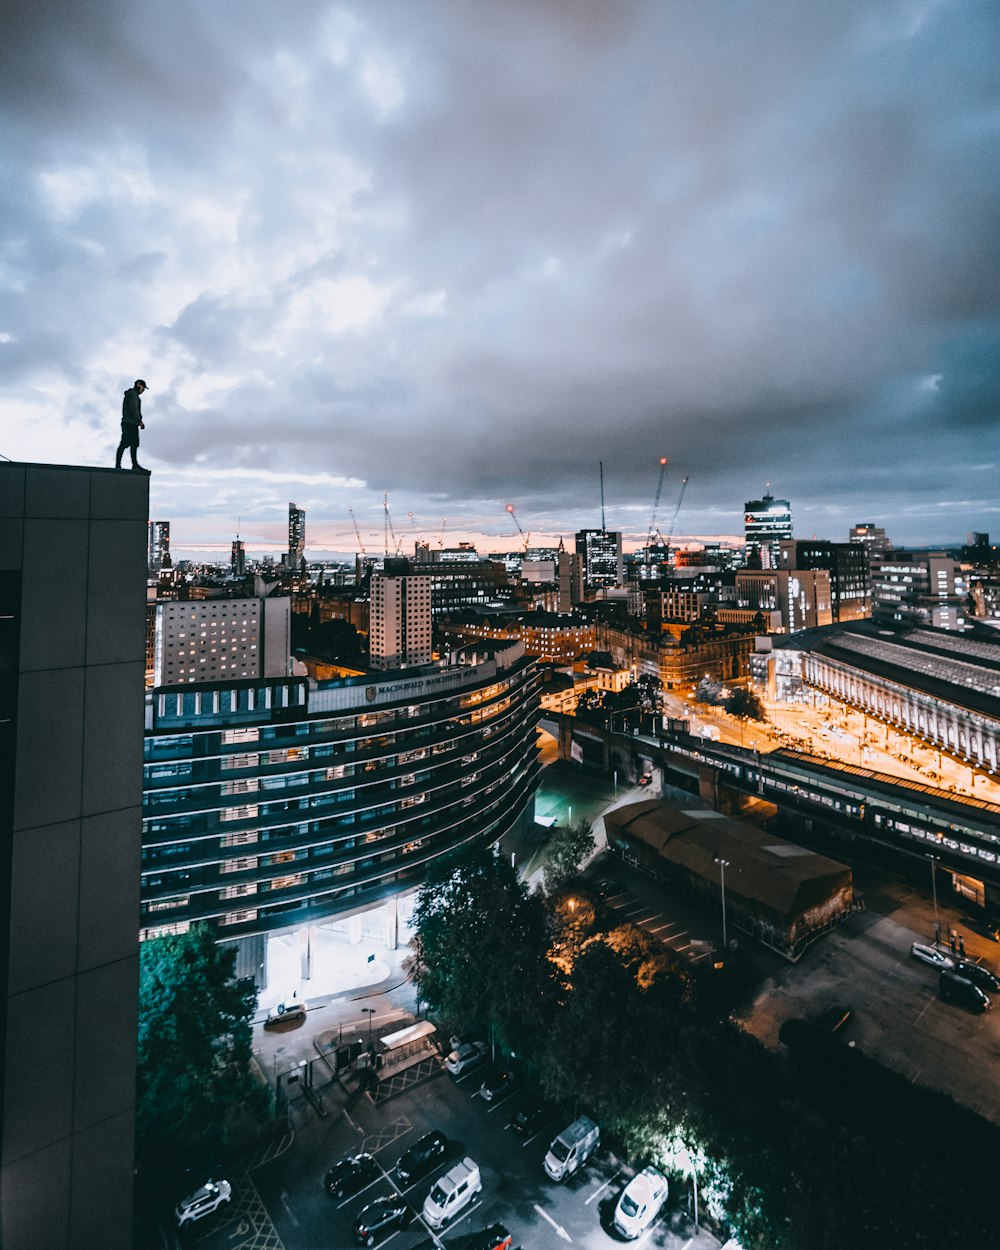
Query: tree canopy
822, 1151
197, 1090
480, 948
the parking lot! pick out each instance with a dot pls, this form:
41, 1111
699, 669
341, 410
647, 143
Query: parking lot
287, 1190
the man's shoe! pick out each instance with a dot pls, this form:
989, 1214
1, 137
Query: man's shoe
137, 468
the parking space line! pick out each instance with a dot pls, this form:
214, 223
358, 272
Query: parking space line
598, 1192
658, 928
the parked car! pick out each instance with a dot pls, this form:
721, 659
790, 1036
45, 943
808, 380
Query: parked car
607, 886
646, 779
452, 1193
350, 1175
530, 1118
640, 1202
931, 955
956, 989
494, 1237
384, 1215
978, 975
206, 1199
468, 1055
422, 1156
294, 1009
498, 1084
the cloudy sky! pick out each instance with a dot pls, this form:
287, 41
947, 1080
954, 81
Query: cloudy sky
462, 251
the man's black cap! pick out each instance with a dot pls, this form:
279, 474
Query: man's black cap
140, 382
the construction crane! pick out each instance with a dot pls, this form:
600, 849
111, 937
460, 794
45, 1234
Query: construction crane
656, 503
680, 500
526, 537
389, 531
354, 520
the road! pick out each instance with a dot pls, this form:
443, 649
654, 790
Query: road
834, 731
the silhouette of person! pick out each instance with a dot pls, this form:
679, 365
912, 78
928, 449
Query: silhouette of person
132, 423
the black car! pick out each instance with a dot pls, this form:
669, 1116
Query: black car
422, 1156
530, 1118
495, 1237
384, 1215
607, 887
497, 1084
978, 975
350, 1175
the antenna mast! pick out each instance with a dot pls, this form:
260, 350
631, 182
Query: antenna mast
604, 526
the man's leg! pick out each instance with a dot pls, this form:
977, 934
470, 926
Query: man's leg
121, 448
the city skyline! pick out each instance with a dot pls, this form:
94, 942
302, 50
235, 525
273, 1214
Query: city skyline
465, 258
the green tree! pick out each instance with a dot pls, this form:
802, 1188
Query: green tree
568, 847
197, 1094
480, 943
745, 704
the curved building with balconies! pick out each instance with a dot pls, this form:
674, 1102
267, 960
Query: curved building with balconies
275, 804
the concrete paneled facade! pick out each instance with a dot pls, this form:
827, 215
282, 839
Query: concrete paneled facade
73, 545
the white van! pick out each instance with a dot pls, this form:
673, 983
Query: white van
572, 1148
452, 1193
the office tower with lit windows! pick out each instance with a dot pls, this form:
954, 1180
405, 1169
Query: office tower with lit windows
296, 558
919, 588
159, 546
238, 559
71, 733
601, 561
400, 617
208, 640
872, 537
277, 805
766, 522
847, 564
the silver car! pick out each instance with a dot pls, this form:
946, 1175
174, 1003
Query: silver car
211, 1196
931, 955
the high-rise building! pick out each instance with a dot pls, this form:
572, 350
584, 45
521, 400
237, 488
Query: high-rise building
209, 640
789, 600
765, 523
847, 564
400, 618
296, 538
919, 588
569, 574
71, 728
872, 537
238, 559
158, 546
272, 806
601, 559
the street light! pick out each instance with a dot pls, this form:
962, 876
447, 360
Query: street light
369, 1012
934, 863
688, 1164
723, 865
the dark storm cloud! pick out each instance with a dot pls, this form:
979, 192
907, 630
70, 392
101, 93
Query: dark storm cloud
465, 252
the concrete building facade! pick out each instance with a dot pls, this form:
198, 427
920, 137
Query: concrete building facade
400, 627
209, 640
73, 650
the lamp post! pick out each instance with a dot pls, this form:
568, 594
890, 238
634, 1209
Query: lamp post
688, 1164
934, 862
723, 865
274, 1081
369, 1012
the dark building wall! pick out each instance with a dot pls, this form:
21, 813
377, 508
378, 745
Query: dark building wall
73, 571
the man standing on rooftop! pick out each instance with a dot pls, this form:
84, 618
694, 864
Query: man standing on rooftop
132, 423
